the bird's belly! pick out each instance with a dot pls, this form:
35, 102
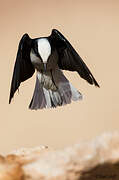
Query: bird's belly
46, 80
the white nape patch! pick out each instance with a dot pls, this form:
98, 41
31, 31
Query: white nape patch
44, 49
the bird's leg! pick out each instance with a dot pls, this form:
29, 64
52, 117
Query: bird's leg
57, 89
53, 78
42, 78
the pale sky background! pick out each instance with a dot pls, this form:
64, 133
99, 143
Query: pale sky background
92, 27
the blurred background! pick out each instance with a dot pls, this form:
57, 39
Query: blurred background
92, 27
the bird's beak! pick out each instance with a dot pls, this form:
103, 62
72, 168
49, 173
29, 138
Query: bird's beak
45, 66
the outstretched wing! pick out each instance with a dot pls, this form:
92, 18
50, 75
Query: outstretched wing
23, 68
69, 58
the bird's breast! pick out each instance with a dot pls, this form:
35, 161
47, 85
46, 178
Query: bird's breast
34, 59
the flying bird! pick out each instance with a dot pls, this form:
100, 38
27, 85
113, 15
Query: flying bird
49, 56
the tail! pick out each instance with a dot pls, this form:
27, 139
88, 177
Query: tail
47, 98
38, 100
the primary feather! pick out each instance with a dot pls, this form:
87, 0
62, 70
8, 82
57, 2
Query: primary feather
23, 68
69, 59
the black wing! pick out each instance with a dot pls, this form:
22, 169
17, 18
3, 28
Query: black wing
23, 68
69, 58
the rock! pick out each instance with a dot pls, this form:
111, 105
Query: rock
90, 160
10, 170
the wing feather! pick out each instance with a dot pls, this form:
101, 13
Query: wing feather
23, 68
69, 59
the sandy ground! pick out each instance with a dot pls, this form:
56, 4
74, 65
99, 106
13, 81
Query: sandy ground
93, 29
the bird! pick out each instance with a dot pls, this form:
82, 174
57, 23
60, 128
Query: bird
49, 56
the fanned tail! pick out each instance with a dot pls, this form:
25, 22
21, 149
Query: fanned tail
63, 94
